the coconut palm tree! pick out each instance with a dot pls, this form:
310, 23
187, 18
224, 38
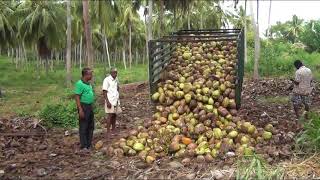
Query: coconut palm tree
255, 24
295, 28
68, 58
87, 30
129, 17
6, 29
150, 12
269, 18
42, 23
105, 12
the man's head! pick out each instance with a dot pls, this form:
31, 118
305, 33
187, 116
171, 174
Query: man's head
86, 74
114, 72
298, 64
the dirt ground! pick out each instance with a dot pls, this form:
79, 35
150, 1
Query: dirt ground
32, 153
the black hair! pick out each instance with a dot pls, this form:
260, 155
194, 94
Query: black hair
85, 71
297, 64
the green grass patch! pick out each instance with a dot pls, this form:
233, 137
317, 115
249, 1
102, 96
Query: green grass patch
27, 90
274, 99
255, 167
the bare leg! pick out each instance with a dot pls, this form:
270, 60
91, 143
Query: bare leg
113, 122
108, 122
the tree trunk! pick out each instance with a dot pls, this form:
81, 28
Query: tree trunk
25, 52
68, 58
256, 53
146, 27
150, 4
245, 33
175, 19
269, 25
137, 57
16, 57
256, 45
201, 21
107, 48
130, 44
161, 17
188, 17
124, 57
80, 58
88, 36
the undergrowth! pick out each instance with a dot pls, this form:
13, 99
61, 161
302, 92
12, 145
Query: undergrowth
255, 167
309, 139
276, 60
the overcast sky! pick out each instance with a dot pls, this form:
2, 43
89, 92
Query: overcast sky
281, 10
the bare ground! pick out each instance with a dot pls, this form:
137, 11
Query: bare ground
32, 153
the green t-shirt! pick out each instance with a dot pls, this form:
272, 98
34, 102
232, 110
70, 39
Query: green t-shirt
85, 91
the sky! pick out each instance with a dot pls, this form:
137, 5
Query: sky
281, 10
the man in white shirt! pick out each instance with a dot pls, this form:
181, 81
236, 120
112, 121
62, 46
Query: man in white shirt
110, 89
302, 88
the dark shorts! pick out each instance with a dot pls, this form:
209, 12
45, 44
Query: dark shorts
299, 100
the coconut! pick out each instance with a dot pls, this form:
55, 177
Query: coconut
200, 159
150, 159
138, 146
233, 134
174, 147
199, 129
186, 161
244, 140
267, 135
195, 103
217, 133
268, 128
208, 157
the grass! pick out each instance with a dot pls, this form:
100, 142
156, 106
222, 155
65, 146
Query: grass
274, 99
27, 90
309, 139
255, 167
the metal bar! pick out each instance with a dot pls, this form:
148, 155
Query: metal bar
240, 68
162, 63
156, 46
207, 31
210, 30
202, 36
163, 56
160, 51
196, 40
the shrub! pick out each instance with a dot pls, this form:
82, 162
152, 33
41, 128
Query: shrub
276, 59
62, 114
309, 139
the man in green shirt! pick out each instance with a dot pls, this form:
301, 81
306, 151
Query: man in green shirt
85, 98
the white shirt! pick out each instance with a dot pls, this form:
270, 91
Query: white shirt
111, 86
304, 78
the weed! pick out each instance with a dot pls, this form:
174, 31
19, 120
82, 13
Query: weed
274, 99
255, 167
309, 139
